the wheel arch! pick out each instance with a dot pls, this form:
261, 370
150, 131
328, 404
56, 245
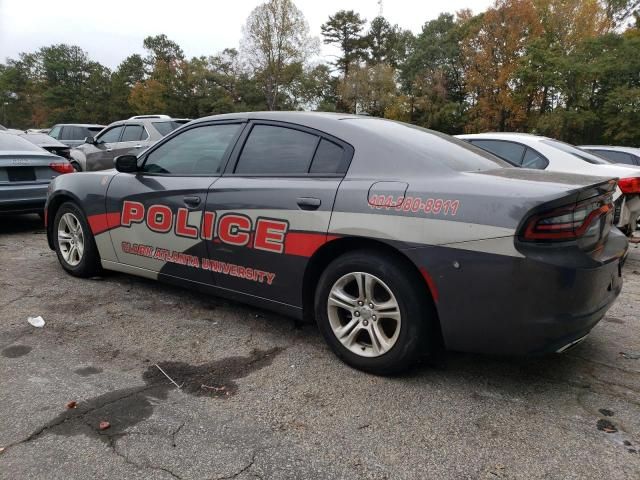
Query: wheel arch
330, 250
53, 205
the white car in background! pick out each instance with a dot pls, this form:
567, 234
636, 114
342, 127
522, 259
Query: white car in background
543, 153
626, 155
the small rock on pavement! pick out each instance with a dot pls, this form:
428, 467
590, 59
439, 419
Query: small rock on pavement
104, 425
72, 404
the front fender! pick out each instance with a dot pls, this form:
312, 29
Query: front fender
88, 190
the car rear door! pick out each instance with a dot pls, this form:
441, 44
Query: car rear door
272, 208
161, 207
132, 141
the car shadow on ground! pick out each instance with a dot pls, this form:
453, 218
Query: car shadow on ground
11, 224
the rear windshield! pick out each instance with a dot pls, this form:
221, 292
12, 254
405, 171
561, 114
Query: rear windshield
9, 142
454, 153
166, 127
576, 152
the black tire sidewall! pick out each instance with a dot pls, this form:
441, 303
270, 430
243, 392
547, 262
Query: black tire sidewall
412, 300
90, 263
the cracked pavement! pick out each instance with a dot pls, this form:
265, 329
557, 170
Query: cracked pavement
261, 397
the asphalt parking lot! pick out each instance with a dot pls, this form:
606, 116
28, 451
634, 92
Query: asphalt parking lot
261, 397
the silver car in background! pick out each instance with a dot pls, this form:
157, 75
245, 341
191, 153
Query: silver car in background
25, 173
124, 137
74, 134
624, 155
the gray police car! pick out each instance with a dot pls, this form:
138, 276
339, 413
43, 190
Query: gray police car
395, 239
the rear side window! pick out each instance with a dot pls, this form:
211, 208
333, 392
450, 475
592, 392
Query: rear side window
197, 151
533, 159
273, 150
73, 133
509, 151
329, 159
133, 133
615, 156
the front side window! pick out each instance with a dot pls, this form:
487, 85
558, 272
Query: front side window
273, 150
112, 135
509, 151
197, 151
133, 133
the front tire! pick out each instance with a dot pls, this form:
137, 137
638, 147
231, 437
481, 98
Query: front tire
373, 313
74, 243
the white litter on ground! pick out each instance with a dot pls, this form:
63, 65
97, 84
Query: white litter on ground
37, 322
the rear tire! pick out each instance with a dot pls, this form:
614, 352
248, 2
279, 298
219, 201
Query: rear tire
76, 166
74, 243
373, 314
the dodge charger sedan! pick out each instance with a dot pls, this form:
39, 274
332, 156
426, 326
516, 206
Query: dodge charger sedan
395, 239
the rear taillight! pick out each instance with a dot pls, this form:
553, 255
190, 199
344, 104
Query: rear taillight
568, 223
629, 185
61, 167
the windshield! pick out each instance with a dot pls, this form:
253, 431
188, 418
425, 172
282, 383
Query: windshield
576, 152
450, 151
10, 142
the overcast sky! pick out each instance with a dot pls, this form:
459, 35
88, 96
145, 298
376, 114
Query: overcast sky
113, 29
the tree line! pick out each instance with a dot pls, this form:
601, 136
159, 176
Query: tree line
569, 69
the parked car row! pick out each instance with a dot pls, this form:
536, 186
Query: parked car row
543, 153
30, 159
130, 136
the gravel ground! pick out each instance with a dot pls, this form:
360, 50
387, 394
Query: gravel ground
263, 398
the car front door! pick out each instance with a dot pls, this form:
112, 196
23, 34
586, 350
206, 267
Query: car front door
100, 155
161, 206
272, 209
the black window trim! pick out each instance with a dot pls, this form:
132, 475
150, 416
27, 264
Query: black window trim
348, 152
524, 152
142, 160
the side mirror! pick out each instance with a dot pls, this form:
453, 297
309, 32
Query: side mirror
90, 140
126, 163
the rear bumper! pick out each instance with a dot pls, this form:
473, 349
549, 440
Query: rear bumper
513, 305
23, 198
